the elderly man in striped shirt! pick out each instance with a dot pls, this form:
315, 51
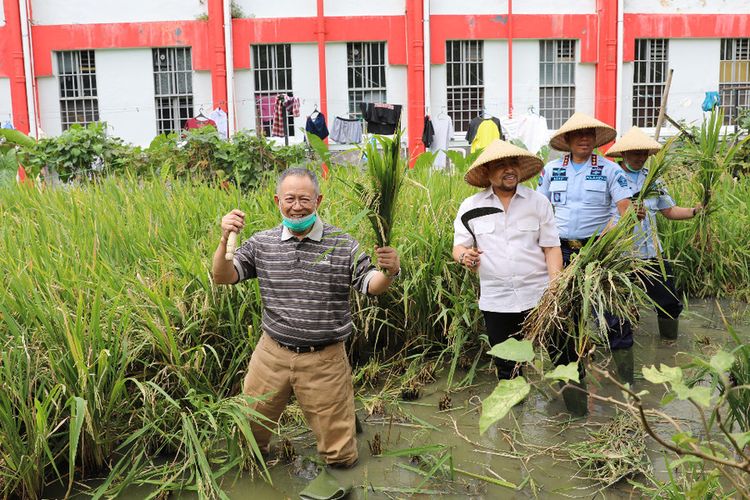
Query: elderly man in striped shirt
305, 269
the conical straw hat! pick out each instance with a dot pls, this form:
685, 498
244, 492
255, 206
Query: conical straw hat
580, 121
528, 164
635, 140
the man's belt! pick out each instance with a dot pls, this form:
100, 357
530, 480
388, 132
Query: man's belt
573, 244
306, 348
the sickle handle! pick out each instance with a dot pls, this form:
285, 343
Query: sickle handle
231, 246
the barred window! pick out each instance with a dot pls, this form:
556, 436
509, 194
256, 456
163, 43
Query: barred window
173, 88
557, 81
465, 81
649, 77
734, 77
272, 73
78, 96
366, 74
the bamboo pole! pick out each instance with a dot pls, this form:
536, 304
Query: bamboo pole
663, 107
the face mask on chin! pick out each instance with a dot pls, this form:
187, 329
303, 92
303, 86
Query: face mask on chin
301, 224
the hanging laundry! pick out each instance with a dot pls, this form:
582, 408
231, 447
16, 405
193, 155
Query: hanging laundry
317, 126
381, 118
428, 132
531, 129
266, 105
491, 131
346, 131
195, 123
292, 105
277, 127
220, 118
444, 132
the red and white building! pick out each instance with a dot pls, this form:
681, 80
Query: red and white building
145, 66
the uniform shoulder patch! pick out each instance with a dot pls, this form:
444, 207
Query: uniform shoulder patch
622, 181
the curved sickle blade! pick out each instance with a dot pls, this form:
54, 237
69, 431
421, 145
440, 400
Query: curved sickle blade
477, 212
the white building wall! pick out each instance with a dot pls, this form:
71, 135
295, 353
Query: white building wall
687, 6
689, 87
519, 7
496, 77
114, 11
125, 85
49, 105
585, 87
202, 92
357, 8
397, 92
336, 82
626, 111
277, 8
244, 104
525, 76
438, 92
6, 108
305, 84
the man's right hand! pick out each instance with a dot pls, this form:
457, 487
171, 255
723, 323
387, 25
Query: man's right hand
234, 221
470, 258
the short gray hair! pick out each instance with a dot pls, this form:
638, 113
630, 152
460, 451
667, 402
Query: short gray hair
299, 172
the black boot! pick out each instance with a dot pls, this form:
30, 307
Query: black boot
623, 359
668, 328
576, 398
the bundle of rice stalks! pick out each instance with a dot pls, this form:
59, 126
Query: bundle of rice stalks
605, 276
378, 193
659, 165
616, 451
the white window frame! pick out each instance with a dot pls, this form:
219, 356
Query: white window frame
173, 87
272, 75
557, 81
76, 73
650, 68
366, 67
464, 78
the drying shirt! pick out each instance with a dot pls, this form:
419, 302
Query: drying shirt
443, 126
381, 118
266, 105
220, 118
474, 126
512, 270
530, 129
486, 133
648, 239
194, 123
582, 198
428, 132
317, 126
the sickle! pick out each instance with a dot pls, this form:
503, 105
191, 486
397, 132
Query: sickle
477, 212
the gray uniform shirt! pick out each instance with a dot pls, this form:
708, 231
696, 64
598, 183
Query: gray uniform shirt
305, 284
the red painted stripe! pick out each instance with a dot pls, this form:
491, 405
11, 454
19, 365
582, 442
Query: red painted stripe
682, 26
12, 64
322, 79
120, 36
217, 53
582, 27
605, 105
415, 77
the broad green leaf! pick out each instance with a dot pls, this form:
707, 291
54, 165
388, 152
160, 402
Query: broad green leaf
687, 459
742, 438
507, 394
565, 373
663, 374
700, 394
513, 350
683, 438
668, 398
722, 361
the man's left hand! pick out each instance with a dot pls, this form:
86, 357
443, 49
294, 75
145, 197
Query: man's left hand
387, 259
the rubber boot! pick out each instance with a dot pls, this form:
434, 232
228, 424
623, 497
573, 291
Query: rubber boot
576, 400
357, 424
668, 328
624, 362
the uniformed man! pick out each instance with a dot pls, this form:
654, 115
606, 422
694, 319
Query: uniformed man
581, 186
634, 148
506, 233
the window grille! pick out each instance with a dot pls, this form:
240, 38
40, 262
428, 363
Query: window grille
173, 88
78, 96
366, 74
557, 82
649, 77
465, 81
734, 77
272, 73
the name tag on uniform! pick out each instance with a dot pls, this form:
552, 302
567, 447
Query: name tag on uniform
558, 190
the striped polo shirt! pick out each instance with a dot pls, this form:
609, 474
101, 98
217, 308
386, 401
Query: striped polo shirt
305, 284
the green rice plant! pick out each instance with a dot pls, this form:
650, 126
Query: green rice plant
605, 276
617, 450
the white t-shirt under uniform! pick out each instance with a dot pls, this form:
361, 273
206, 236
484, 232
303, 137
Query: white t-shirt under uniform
512, 271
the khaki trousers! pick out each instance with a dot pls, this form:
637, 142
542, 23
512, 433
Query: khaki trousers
321, 381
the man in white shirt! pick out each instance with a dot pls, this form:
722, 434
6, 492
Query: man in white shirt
507, 234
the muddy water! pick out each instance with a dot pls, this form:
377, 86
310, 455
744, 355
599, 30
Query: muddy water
536, 429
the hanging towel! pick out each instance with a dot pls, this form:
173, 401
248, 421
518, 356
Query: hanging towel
317, 126
428, 132
487, 132
346, 131
194, 123
266, 105
381, 118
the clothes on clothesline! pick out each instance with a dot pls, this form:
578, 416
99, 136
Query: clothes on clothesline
266, 105
317, 126
283, 103
381, 118
219, 117
292, 105
346, 131
428, 132
491, 131
441, 140
530, 129
195, 123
